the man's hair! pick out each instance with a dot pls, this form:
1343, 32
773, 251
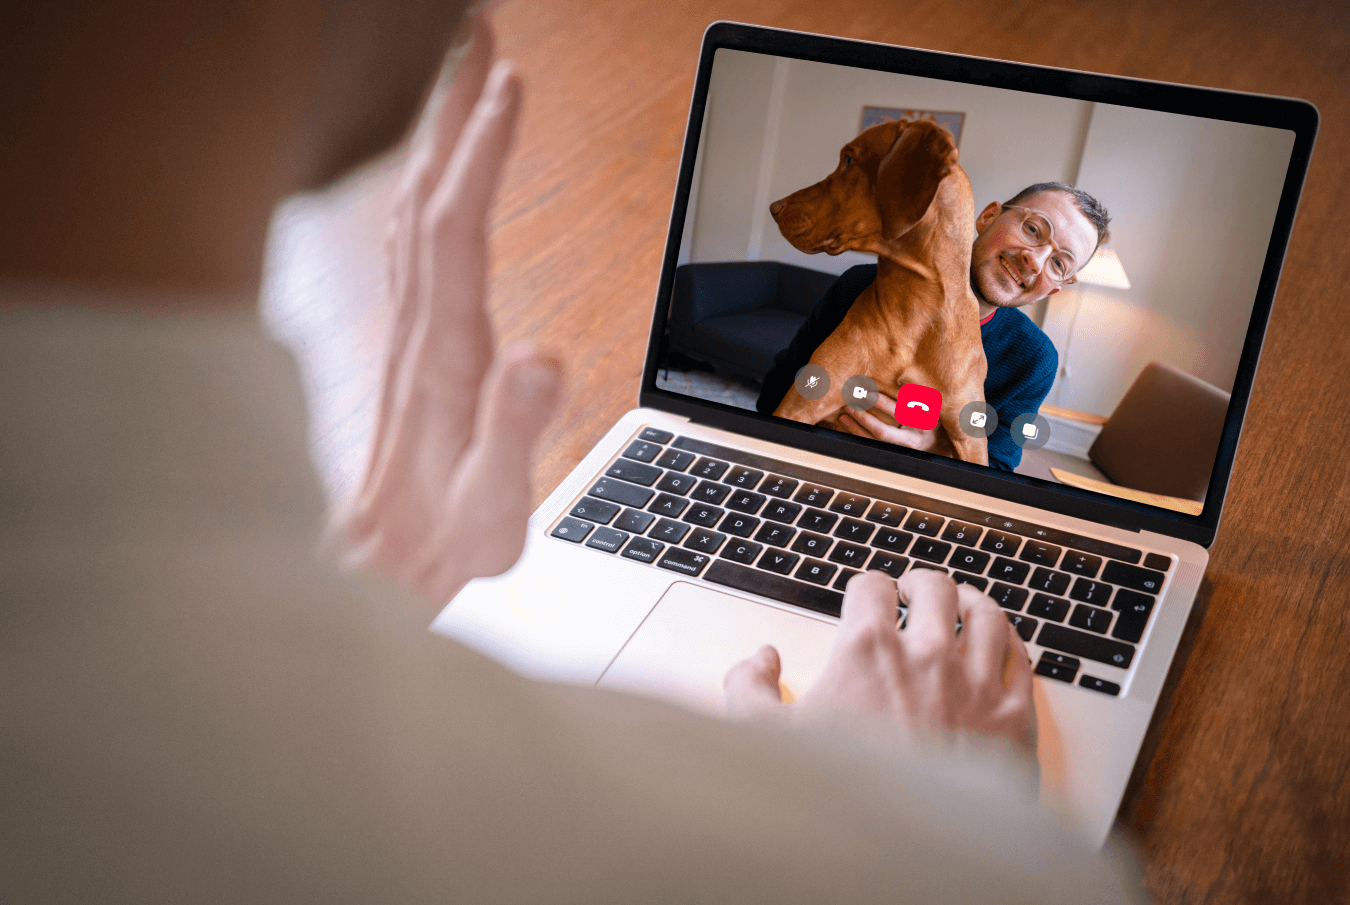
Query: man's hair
1087, 205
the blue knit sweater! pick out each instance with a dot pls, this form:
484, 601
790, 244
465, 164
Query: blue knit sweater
1022, 360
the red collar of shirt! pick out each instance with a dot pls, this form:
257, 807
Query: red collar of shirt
989, 318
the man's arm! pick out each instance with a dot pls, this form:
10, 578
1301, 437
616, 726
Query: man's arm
1022, 366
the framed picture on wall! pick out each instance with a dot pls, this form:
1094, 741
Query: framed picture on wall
875, 116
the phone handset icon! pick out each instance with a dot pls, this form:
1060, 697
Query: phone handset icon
915, 404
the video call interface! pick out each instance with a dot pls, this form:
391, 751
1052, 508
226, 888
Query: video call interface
821, 268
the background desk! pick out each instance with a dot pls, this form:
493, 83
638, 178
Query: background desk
1246, 797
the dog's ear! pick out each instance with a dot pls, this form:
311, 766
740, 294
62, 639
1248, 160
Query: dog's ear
907, 179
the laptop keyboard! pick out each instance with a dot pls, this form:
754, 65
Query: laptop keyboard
797, 535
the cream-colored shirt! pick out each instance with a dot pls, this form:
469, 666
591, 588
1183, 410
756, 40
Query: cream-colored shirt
195, 707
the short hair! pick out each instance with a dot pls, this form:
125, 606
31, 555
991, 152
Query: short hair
1087, 205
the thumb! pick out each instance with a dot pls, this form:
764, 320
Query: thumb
751, 686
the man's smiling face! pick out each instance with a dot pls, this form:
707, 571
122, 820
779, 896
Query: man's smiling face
1006, 271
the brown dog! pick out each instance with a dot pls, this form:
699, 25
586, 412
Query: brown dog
899, 194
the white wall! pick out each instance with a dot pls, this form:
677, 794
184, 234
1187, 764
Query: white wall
1192, 202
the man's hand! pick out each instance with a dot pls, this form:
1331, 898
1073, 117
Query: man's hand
927, 677
446, 496
865, 424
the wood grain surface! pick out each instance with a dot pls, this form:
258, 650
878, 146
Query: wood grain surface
1245, 793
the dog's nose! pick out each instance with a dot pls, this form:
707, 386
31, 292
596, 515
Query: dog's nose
776, 207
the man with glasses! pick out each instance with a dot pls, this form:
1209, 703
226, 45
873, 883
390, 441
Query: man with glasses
1024, 251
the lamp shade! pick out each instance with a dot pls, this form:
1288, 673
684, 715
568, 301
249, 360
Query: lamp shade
1104, 269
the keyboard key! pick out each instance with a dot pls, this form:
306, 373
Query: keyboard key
774, 534
607, 539
785, 590
1089, 591
1056, 671
779, 486
967, 560
745, 501
1090, 618
1157, 561
934, 567
746, 478
1025, 625
809, 544
974, 581
739, 525
593, 510
742, 551
817, 520
643, 549
619, 492
674, 482
642, 451
572, 529
1134, 609
1101, 685
782, 511
705, 541
1049, 581
652, 435
998, 542
675, 459
850, 529
703, 514
634, 521
670, 531
894, 541
848, 504
931, 550
666, 504
889, 563
1008, 597
814, 495
1081, 563
815, 571
779, 561
924, 523
1085, 644
712, 469
1135, 577
888, 514
1041, 554
633, 472
850, 555
961, 533
1061, 659
1009, 571
1048, 607
844, 575
686, 562
710, 492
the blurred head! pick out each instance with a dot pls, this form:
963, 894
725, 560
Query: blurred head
1032, 246
149, 140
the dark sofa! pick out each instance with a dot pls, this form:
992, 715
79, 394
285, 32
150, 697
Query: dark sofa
739, 314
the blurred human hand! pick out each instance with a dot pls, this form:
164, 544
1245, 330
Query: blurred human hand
927, 677
446, 495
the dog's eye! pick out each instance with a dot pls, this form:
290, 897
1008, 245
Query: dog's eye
848, 161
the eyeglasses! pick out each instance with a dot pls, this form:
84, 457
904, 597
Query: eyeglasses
1036, 231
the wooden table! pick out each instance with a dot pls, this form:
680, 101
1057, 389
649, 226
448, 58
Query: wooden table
1243, 794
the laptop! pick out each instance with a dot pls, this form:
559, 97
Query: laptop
703, 525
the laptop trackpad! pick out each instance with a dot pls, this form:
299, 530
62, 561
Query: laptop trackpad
694, 635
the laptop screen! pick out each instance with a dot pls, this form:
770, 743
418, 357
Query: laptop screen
1050, 286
